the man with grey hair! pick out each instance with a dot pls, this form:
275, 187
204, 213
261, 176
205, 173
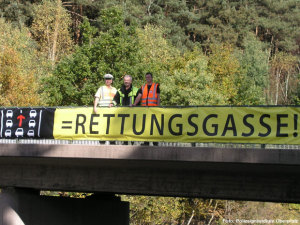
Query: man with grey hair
127, 93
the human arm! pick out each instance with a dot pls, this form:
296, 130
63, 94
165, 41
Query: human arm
158, 95
158, 99
96, 100
137, 100
116, 99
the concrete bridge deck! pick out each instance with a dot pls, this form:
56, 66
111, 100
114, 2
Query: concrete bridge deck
222, 173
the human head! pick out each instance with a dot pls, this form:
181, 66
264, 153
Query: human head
108, 79
127, 81
149, 78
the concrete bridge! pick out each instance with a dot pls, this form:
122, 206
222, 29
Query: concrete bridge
205, 172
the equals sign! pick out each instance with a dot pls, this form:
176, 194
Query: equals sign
66, 127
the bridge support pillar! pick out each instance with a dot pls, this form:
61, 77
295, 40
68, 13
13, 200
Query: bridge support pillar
20, 206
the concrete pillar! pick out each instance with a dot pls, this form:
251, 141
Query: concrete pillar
23, 206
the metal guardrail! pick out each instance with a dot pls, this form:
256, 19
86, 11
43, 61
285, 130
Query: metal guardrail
137, 143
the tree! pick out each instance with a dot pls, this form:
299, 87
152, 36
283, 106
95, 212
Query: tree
274, 22
18, 13
223, 64
17, 88
88, 32
50, 28
78, 76
18, 67
283, 78
155, 50
155, 53
252, 79
184, 80
266, 210
277, 24
171, 210
190, 82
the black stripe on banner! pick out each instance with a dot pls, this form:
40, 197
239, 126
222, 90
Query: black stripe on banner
47, 123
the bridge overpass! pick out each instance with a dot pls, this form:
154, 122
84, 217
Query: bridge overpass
205, 172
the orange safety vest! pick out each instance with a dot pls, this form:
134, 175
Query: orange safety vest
149, 98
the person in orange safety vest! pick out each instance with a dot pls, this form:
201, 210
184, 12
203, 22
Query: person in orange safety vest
148, 94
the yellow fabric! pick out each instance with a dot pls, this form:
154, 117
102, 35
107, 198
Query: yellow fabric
273, 125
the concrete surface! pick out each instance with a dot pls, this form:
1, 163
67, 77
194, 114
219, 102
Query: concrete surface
240, 174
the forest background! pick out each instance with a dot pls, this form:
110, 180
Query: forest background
217, 52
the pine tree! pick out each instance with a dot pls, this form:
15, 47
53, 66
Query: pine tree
252, 80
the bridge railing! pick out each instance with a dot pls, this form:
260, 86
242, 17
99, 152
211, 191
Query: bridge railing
138, 143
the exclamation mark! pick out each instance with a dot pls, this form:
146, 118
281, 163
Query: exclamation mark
295, 125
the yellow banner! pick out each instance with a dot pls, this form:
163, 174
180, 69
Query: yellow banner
268, 125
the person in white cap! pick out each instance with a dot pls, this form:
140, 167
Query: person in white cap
106, 93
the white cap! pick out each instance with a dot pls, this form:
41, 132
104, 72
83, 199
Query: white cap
108, 76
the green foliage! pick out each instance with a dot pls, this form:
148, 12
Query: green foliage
296, 98
252, 79
185, 80
278, 24
295, 207
188, 22
260, 210
88, 32
154, 54
77, 77
50, 28
284, 73
190, 82
153, 210
111, 18
201, 52
154, 50
17, 13
224, 65
65, 194
169, 210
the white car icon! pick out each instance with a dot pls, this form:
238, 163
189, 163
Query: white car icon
9, 113
30, 133
31, 123
9, 123
19, 132
32, 113
7, 133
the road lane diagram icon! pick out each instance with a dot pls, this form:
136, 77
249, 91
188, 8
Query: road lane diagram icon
7, 133
32, 113
9, 114
28, 119
30, 133
31, 123
19, 132
20, 118
9, 123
